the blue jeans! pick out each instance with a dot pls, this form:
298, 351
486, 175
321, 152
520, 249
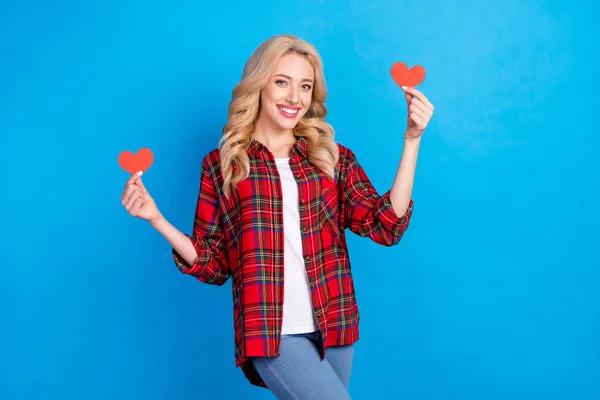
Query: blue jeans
299, 373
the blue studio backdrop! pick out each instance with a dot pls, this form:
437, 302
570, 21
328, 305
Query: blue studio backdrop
493, 291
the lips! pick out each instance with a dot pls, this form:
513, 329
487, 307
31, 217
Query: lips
288, 111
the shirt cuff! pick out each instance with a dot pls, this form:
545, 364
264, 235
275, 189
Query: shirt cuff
180, 262
384, 211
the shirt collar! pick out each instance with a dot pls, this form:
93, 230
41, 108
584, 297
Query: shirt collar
256, 147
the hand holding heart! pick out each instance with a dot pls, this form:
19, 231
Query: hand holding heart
420, 111
138, 201
135, 197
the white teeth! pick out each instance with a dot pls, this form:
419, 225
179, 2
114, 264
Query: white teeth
289, 111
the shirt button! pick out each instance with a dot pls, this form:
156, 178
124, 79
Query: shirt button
306, 258
303, 230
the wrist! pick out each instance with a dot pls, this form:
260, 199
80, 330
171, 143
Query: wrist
411, 141
158, 221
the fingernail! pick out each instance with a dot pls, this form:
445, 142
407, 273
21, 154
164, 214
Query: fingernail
404, 88
140, 173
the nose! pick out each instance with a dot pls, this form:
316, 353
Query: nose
292, 95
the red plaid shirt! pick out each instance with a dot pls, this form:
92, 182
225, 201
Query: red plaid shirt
242, 238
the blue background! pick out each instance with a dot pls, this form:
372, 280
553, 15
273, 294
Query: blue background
493, 292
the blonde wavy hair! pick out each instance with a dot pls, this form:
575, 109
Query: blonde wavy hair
244, 109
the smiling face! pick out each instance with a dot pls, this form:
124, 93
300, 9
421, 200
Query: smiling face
288, 93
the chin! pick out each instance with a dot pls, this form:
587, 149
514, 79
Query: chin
286, 124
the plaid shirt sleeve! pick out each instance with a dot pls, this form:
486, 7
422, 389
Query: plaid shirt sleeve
366, 213
211, 264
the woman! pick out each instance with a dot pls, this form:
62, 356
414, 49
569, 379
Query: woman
280, 192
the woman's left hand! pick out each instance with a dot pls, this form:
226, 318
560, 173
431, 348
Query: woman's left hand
420, 111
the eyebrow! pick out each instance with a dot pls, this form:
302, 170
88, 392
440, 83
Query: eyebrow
290, 78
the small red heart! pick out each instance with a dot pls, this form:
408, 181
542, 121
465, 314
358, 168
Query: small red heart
133, 163
407, 77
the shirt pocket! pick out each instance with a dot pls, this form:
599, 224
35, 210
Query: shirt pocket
329, 208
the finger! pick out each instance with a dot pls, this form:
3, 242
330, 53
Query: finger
134, 195
130, 182
418, 95
420, 106
408, 97
127, 193
137, 204
133, 182
422, 114
424, 106
133, 178
417, 120
140, 184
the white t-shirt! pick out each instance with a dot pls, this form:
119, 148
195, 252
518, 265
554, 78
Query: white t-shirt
298, 316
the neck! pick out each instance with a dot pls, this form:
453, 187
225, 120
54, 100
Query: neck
275, 140
272, 137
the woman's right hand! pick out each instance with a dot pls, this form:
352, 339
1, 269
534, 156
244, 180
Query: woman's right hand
137, 200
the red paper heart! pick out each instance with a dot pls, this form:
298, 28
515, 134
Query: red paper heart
407, 77
133, 163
